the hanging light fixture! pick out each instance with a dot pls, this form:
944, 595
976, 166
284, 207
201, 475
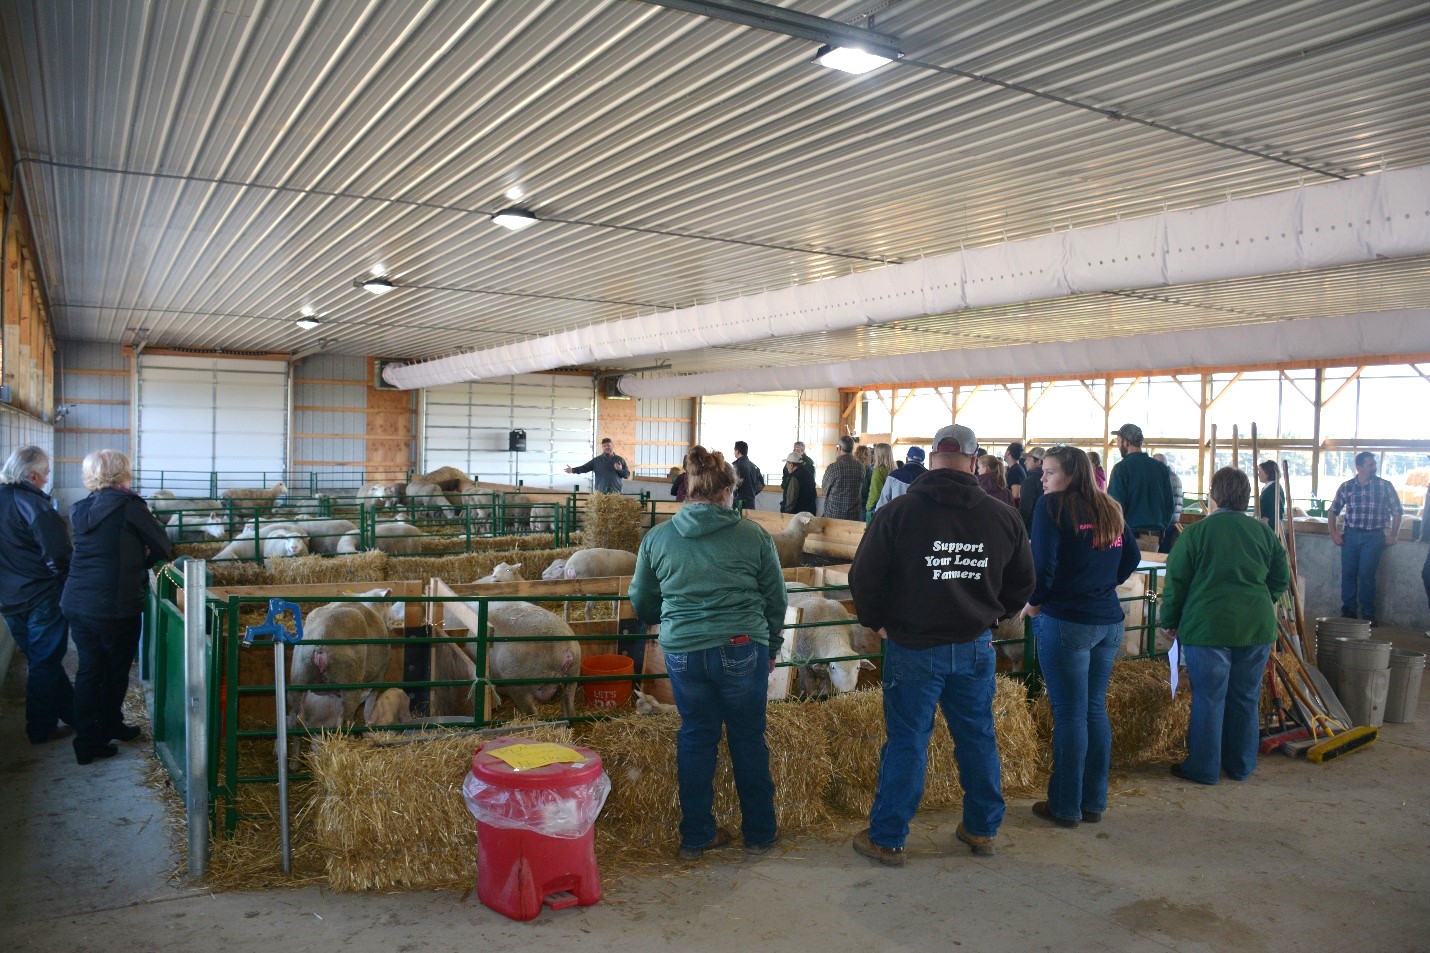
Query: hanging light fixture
307, 322
377, 284
514, 218
849, 59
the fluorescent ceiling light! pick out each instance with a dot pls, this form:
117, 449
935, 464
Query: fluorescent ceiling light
377, 284
849, 59
514, 218
307, 324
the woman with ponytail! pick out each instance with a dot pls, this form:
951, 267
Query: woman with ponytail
1082, 551
713, 582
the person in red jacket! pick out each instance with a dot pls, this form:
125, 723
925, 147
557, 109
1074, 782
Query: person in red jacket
936, 569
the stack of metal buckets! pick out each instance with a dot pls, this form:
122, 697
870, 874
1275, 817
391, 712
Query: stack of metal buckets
1375, 681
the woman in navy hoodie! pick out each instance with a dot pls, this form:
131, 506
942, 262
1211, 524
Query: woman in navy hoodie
116, 540
1082, 550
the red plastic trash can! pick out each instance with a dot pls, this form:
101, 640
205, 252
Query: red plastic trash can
518, 869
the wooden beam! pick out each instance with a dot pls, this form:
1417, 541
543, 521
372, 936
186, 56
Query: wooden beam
1131, 384
1340, 390
1226, 387
1310, 398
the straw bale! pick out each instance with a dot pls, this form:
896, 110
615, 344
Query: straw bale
470, 566
855, 737
1148, 726
389, 814
307, 570
612, 522
202, 550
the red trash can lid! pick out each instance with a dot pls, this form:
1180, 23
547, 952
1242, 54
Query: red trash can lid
490, 769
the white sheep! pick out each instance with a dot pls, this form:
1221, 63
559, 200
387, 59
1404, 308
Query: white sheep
249, 498
425, 497
827, 642
789, 542
597, 563
345, 664
324, 536
315, 710
279, 540
543, 517
650, 705
557, 570
395, 537
374, 495
502, 572
551, 653
391, 706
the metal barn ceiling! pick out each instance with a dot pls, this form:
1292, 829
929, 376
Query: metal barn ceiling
204, 171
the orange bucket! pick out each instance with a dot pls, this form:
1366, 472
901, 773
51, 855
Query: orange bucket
612, 694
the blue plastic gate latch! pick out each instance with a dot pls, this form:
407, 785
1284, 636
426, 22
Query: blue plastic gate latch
275, 630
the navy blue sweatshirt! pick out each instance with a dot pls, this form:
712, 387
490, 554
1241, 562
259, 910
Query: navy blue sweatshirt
1075, 582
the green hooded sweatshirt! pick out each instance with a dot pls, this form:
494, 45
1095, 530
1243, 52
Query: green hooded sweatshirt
708, 576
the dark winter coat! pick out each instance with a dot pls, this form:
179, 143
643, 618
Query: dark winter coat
116, 540
34, 548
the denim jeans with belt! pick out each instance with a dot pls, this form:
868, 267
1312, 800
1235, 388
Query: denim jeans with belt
42, 635
1360, 558
723, 686
958, 678
1076, 660
1226, 717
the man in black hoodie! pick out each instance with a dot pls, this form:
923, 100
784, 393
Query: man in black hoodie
34, 557
937, 568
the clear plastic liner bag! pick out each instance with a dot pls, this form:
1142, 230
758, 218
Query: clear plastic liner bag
567, 812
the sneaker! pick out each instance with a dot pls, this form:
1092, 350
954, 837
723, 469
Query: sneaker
888, 856
981, 846
1042, 810
1177, 772
721, 838
1092, 817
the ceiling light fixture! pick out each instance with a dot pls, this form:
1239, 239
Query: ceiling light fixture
849, 59
377, 285
514, 218
307, 323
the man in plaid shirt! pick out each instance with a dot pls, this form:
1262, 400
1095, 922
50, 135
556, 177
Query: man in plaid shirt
1369, 504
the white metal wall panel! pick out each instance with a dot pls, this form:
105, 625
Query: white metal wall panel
467, 426
663, 435
200, 414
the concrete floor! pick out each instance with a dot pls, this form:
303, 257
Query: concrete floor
1301, 857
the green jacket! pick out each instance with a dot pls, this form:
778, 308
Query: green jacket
1142, 486
707, 576
1223, 578
876, 486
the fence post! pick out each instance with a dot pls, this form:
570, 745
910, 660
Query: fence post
213, 485
196, 704
480, 661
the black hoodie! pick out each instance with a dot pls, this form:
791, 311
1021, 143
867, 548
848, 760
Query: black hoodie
942, 563
116, 540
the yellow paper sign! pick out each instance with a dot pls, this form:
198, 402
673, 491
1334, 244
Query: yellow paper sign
527, 756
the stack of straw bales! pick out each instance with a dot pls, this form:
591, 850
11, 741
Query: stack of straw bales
374, 566
1149, 726
612, 522
391, 815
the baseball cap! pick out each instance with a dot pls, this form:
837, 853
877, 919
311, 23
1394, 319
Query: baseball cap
914, 454
1130, 432
794, 458
955, 438
1037, 453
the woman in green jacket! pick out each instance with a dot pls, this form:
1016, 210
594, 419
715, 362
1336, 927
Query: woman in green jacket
1223, 579
883, 465
713, 582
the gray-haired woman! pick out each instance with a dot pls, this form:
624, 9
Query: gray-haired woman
34, 557
116, 540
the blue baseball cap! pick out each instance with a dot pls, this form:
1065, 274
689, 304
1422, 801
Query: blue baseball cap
915, 454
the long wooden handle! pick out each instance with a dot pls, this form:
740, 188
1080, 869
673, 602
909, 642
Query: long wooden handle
1306, 645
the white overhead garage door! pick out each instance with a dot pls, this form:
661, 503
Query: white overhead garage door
202, 414
466, 426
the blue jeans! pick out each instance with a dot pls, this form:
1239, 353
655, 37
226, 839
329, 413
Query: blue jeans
1360, 558
1076, 660
1226, 700
960, 680
724, 686
42, 635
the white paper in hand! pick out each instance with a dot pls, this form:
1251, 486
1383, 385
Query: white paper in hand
1174, 661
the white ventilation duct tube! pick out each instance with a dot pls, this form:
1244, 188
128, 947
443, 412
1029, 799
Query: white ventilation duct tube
1338, 223
1307, 339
